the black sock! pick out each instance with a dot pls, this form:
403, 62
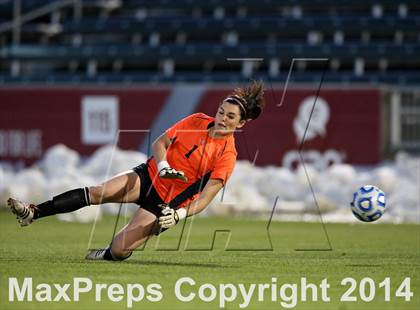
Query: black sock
108, 255
67, 202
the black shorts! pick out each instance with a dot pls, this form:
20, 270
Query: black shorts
149, 199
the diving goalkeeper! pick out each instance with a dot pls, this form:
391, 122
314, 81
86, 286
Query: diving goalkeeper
191, 162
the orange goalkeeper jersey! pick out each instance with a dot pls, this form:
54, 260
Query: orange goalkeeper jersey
198, 155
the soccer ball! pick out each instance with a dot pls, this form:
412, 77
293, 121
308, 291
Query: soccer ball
368, 203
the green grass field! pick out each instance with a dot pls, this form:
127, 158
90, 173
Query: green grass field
50, 252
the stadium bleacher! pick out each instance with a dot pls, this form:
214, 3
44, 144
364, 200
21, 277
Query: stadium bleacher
210, 41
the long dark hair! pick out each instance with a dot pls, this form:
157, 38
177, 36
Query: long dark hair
250, 100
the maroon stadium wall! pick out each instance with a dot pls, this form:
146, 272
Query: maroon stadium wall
32, 120
344, 127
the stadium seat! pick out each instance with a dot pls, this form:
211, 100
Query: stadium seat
179, 40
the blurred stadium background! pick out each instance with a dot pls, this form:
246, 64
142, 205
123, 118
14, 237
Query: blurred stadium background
77, 77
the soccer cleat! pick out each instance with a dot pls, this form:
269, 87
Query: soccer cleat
96, 254
24, 211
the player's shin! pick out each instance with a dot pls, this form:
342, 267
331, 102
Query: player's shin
67, 202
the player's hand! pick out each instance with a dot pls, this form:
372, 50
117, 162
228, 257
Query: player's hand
171, 217
166, 172
171, 173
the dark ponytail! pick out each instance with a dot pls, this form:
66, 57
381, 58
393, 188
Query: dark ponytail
251, 100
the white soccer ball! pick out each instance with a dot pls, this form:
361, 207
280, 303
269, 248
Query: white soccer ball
368, 203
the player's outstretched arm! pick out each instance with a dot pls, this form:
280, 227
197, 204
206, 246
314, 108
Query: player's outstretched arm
159, 148
210, 191
171, 217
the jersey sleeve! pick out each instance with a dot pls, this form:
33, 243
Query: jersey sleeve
184, 124
171, 131
224, 167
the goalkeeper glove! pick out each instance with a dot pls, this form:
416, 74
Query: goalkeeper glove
166, 172
171, 217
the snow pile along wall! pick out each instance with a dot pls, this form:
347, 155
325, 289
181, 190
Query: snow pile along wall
251, 190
